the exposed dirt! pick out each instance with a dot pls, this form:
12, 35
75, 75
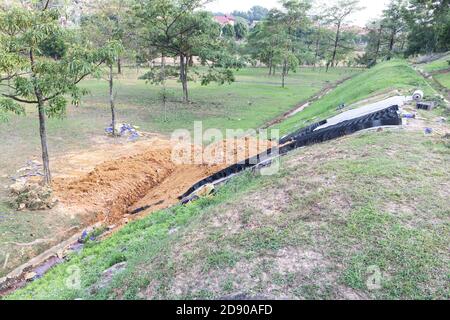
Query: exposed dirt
138, 175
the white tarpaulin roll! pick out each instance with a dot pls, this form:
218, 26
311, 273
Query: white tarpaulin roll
418, 95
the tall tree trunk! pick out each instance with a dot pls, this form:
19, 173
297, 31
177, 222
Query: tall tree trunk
42, 126
270, 66
163, 67
283, 74
111, 100
377, 52
43, 135
119, 66
391, 44
317, 51
183, 77
336, 43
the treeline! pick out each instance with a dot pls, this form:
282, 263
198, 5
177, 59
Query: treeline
408, 28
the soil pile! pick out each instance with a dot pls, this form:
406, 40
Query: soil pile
146, 178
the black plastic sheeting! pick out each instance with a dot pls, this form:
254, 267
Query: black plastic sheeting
302, 132
306, 137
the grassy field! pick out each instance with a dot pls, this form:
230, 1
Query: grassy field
248, 103
385, 77
251, 101
443, 79
254, 99
437, 65
337, 216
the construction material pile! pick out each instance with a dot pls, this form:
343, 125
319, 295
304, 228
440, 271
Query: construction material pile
123, 130
32, 196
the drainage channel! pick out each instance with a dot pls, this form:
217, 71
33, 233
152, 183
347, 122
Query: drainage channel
301, 138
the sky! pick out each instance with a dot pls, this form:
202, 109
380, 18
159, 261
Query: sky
373, 8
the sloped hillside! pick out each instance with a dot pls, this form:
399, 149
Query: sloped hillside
366, 216
383, 78
361, 217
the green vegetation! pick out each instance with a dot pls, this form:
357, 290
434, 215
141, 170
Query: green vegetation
388, 76
401, 32
250, 102
437, 65
349, 210
443, 79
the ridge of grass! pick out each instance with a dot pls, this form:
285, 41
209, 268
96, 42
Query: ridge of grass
391, 75
437, 65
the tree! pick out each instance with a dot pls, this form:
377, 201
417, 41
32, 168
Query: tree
257, 13
276, 41
105, 30
228, 31
429, 26
337, 15
29, 77
240, 14
318, 36
178, 29
263, 42
294, 20
393, 23
240, 30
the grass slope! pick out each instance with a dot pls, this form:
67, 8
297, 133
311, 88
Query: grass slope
437, 65
336, 216
443, 79
396, 74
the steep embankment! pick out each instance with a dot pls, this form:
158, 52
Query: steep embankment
383, 78
365, 216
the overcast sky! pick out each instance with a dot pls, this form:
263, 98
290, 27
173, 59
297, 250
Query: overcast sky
373, 8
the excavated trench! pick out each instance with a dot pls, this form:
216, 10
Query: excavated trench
150, 179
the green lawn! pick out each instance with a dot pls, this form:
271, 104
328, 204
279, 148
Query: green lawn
251, 101
437, 65
443, 79
337, 215
384, 77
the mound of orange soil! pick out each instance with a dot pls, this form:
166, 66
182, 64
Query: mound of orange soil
113, 186
147, 177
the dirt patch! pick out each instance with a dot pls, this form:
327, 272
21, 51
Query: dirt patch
113, 186
296, 260
141, 175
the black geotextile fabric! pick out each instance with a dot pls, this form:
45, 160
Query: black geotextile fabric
302, 132
306, 137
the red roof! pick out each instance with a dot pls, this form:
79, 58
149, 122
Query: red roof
224, 19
